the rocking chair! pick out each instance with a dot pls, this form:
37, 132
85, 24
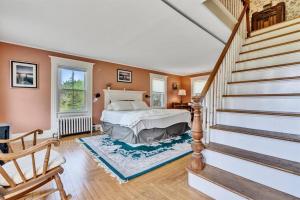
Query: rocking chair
30, 168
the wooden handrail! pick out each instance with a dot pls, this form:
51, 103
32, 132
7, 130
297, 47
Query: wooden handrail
197, 162
224, 52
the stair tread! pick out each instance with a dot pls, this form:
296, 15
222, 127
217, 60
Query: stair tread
266, 80
271, 46
273, 30
266, 67
262, 159
263, 95
239, 185
257, 132
273, 37
268, 56
260, 112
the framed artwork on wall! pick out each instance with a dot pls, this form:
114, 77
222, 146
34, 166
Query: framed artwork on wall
23, 75
124, 76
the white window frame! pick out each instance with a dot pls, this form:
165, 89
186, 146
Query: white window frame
194, 79
56, 63
162, 77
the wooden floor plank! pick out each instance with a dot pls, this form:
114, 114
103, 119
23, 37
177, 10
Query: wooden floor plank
86, 181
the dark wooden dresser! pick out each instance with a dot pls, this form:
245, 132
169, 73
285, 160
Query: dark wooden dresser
4, 134
269, 16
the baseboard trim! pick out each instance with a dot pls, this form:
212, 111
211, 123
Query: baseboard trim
46, 135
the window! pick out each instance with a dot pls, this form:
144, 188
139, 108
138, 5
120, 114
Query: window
198, 84
71, 90
158, 84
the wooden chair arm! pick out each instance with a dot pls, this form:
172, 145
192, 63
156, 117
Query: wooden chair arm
29, 151
37, 131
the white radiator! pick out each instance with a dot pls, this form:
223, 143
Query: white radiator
74, 125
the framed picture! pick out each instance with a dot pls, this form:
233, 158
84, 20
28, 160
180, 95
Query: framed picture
124, 76
23, 74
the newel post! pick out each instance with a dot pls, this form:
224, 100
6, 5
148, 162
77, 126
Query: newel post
197, 163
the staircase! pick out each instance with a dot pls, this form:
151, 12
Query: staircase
252, 147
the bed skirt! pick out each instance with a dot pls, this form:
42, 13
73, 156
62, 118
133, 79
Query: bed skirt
145, 136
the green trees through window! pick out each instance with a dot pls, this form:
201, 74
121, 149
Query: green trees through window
72, 87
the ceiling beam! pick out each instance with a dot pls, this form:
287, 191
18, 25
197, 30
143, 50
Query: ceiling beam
192, 20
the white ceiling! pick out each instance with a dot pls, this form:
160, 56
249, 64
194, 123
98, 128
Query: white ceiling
144, 33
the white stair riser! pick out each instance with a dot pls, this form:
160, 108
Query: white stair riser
243, 141
271, 51
274, 60
270, 42
285, 30
276, 26
286, 86
211, 189
279, 104
283, 124
277, 72
274, 178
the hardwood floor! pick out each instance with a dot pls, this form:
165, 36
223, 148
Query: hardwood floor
87, 181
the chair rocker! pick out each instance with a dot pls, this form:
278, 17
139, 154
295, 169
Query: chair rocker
30, 168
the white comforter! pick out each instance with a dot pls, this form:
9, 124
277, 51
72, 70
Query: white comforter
146, 119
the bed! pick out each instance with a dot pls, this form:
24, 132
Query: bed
140, 124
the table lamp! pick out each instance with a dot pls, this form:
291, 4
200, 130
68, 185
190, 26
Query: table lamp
181, 93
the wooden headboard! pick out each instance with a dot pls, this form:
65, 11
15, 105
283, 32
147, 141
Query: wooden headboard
122, 95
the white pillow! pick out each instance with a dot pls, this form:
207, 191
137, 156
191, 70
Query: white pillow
139, 105
121, 105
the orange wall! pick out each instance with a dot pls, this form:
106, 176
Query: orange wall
26, 109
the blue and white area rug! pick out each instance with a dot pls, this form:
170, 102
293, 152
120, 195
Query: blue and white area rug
125, 161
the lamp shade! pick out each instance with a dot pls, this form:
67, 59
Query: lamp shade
181, 92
